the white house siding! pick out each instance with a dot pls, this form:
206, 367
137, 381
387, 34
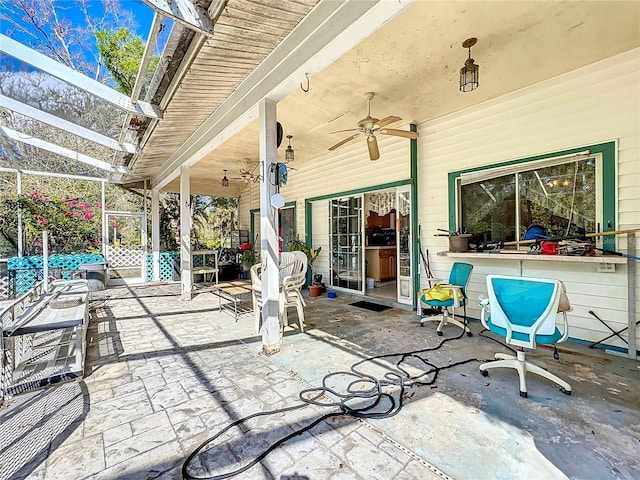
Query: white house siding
594, 104
347, 168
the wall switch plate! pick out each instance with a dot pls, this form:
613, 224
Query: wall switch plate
606, 267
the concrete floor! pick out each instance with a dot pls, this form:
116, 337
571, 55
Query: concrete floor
163, 375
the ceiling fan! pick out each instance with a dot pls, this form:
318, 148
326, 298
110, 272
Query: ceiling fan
370, 127
247, 175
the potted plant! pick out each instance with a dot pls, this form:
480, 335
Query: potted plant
248, 259
312, 255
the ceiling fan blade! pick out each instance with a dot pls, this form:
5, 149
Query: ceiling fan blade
387, 120
372, 144
347, 130
398, 133
348, 139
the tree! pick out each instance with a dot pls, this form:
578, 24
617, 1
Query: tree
121, 52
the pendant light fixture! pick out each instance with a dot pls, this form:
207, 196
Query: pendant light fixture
469, 73
288, 153
225, 180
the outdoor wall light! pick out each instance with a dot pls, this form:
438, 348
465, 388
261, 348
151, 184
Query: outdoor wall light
288, 153
469, 73
225, 180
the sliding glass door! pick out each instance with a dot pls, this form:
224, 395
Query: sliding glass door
403, 235
347, 254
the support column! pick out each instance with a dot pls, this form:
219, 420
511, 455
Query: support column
103, 205
185, 231
155, 232
271, 339
20, 233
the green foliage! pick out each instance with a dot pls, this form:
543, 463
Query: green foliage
121, 52
72, 225
248, 259
295, 244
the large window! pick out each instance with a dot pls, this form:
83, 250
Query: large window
559, 194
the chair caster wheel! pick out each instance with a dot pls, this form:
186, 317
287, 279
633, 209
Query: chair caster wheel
484, 373
524, 394
566, 392
439, 334
469, 334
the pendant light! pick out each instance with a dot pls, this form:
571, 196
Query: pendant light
469, 73
225, 180
288, 153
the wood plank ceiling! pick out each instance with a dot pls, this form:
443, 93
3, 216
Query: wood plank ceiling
246, 32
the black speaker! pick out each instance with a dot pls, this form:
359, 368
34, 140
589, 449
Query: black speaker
279, 134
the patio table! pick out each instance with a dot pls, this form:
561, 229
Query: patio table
237, 296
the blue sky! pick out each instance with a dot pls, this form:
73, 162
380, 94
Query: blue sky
142, 14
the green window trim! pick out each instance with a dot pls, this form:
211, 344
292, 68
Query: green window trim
252, 226
608, 151
308, 229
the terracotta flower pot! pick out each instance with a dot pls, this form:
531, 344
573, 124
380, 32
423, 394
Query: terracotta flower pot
314, 290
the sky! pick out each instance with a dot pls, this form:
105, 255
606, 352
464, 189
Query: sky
141, 14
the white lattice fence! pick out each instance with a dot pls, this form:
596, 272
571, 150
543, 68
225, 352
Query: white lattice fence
119, 257
4, 288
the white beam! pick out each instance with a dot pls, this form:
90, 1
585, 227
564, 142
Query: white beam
269, 251
185, 13
51, 174
327, 32
185, 232
19, 192
75, 78
75, 129
65, 152
155, 232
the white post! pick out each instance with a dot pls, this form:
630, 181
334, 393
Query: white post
20, 233
185, 231
45, 260
103, 205
155, 232
271, 339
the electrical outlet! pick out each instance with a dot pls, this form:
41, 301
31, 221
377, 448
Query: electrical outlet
606, 267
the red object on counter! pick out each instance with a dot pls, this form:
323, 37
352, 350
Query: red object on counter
549, 248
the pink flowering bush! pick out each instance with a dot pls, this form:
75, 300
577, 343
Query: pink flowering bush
72, 225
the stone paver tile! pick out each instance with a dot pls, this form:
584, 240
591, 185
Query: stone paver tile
319, 464
363, 457
326, 434
118, 411
117, 434
422, 472
154, 382
156, 463
76, 459
192, 433
301, 445
191, 408
278, 460
128, 388
149, 422
370, 434
168, 395
138, 444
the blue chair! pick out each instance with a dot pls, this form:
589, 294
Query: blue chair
523, 311
458, 282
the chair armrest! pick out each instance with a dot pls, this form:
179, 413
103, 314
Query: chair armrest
565, 333
456, 289
485, 307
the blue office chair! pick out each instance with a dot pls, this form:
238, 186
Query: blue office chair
523, 311
458, 282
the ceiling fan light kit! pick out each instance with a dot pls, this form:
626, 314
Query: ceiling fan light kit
469, 73
371, 126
